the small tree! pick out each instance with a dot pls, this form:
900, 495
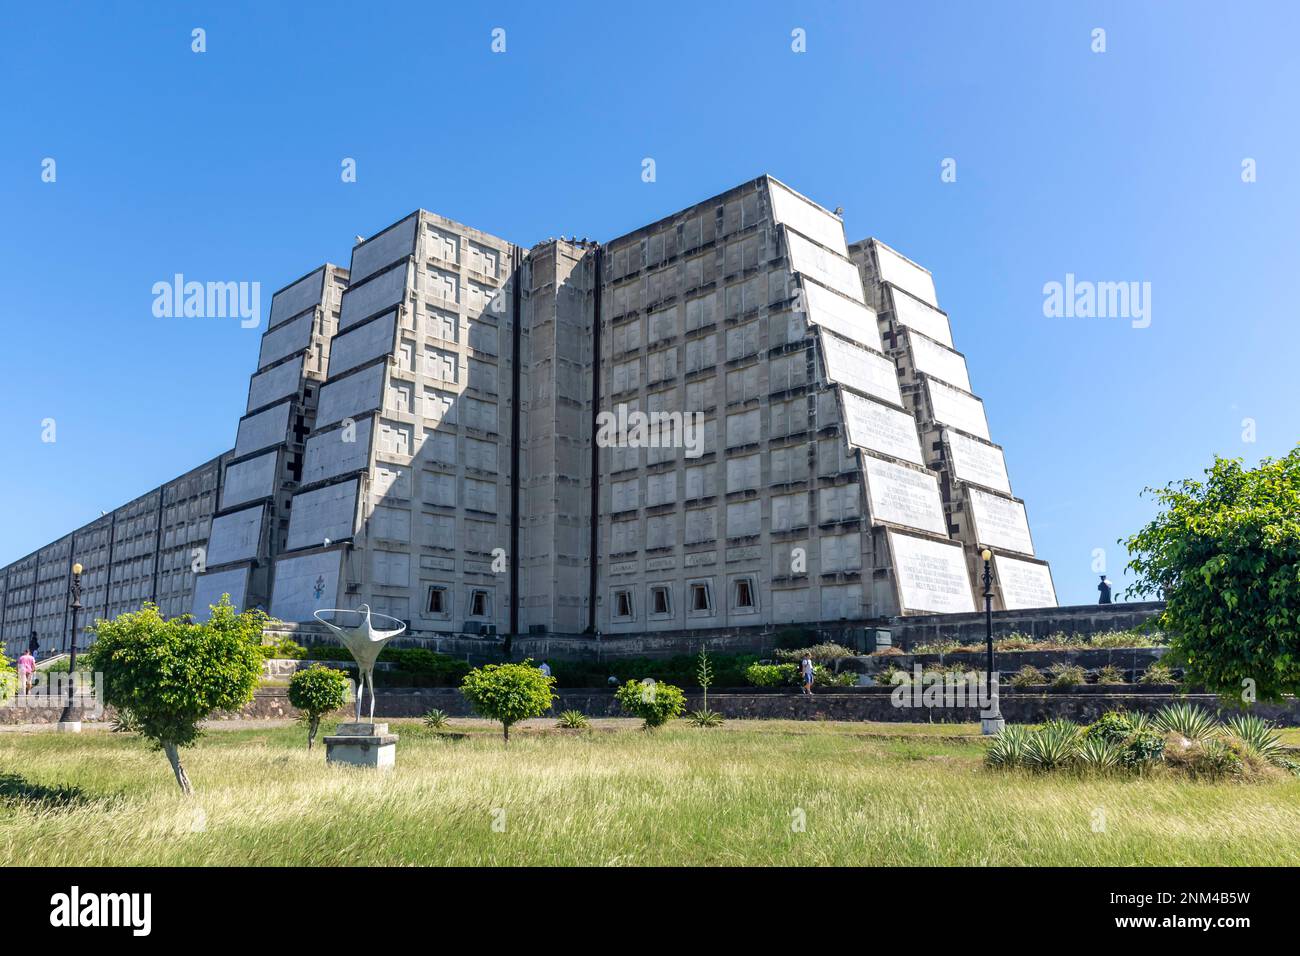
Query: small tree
317, 691
508, 693
165, 676
1225, 555
654, 703
8, 679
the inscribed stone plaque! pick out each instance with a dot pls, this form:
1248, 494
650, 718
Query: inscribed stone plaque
941, 362
1000, 522
905, 274
955, 408
305, 584
880, 428
831, 270
904, 496
931, 575
915, 314
210, 586
807, 217
858, 368
977, 462
1024, 584
853, 320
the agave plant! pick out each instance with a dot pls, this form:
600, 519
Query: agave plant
1256, 734
1098, 753
436, 719
1190, 721
1053, 746
1008, 748
705, 718
573, 720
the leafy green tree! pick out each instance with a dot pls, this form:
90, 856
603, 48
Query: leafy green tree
1224, 554
317, 691
8, 679
653, 702
508, 693
165, 676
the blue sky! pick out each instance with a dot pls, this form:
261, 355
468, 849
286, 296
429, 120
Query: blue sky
1117, 166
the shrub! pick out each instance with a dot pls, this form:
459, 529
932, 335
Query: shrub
1187, 720
1027, 676
1009, 748
705, 718
825, 677
1114, 727
508, 693
1099, 754
8, 679
1212, 759
165, 676
317, 691
283, 647
772, 675
653, 702
1110, 674
827, 653
1256, 735
1125, 639
437, 719
1052, 746
936, 647
889, 673
573, 720
1158, 673
1066, 675
680, 669
1144, 746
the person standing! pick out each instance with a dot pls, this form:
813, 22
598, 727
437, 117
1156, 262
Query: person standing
1104, 588
806, 672
26, 666
545, 668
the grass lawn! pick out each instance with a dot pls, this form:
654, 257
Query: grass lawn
871, 794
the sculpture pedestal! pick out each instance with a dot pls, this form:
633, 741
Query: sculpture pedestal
362, 745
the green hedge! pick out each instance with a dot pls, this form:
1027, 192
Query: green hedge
728, 670
415, 666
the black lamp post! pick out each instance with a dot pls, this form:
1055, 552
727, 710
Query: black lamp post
66, 721
990, 722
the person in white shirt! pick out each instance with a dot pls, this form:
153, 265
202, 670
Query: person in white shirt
545, 668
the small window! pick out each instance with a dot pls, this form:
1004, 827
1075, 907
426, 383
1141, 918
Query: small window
661, 600
479, 605
438, 601
700, 598
623, 609
744, 594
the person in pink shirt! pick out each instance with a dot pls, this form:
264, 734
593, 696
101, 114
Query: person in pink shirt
26, 664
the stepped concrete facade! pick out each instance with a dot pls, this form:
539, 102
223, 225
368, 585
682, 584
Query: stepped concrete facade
453, 430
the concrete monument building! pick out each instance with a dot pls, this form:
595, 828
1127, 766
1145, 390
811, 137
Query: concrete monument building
428, 432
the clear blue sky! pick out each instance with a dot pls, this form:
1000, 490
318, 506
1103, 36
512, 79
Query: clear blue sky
1123, 165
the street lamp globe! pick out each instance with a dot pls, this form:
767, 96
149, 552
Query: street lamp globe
77, 568
986, 554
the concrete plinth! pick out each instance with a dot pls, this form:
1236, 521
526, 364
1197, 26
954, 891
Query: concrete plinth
362, 745
992, 726
69, 726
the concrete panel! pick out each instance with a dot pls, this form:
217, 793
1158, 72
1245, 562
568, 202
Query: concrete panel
275, 383
249, 480
977, 462
380, 292
940, 362
209, 587
931, 575
906, 274
329, 453
235, 536
805, 216
1024, 584
1000, 522
289, 338
834, 272
902, 495
394, 243
914, 314
299, 297
957, 409
858, 368
305, 583
880, 428
263, 429
328, 512
362, 344
853, 320
351, 395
